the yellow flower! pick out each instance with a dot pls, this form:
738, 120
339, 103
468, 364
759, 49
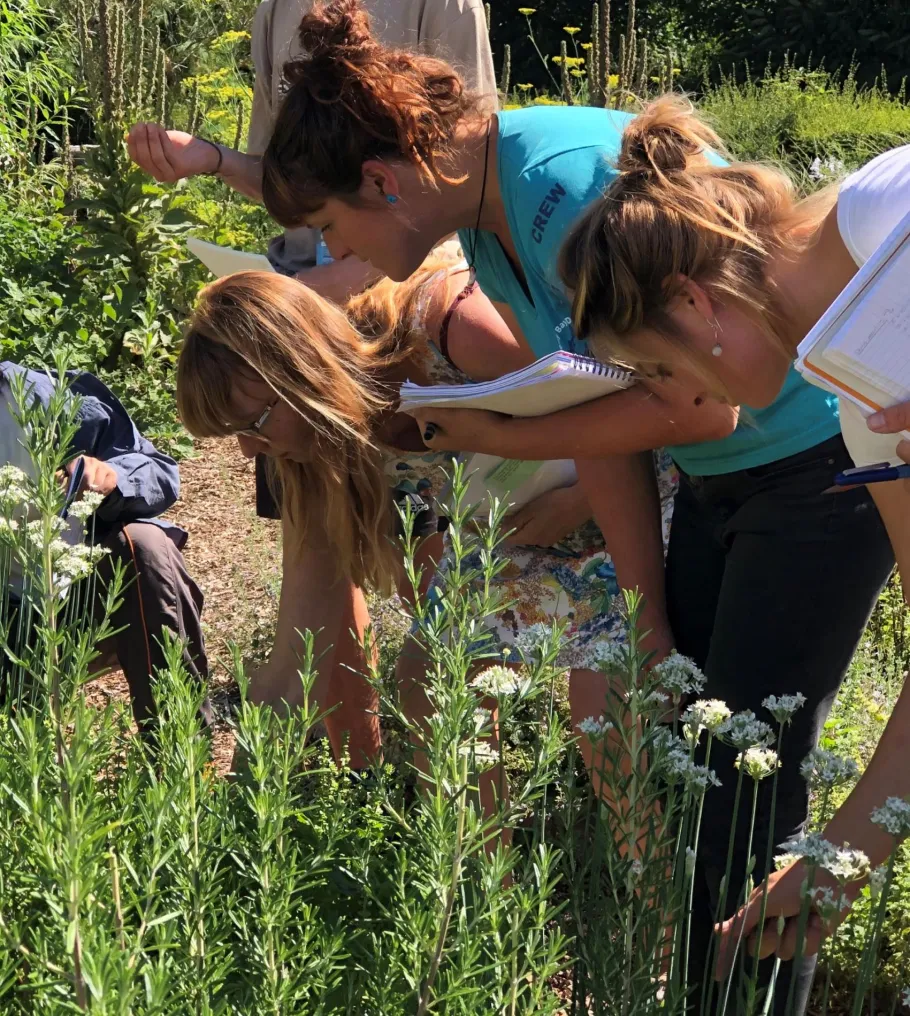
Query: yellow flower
571, 61
676, 71
525, 88
577, 74
586, 45
570, 29
527, 11
229, 38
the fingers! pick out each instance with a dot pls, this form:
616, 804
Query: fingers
891, 420
146, 149
903, 449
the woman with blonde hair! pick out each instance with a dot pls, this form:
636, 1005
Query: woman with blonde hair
314, 387
707, 277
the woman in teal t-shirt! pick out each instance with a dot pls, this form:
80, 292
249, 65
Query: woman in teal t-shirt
388, 156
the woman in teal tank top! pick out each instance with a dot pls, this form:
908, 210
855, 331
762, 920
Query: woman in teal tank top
386, 173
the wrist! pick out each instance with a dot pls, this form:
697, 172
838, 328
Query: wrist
217, 158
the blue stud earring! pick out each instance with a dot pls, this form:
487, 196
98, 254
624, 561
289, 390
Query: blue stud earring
392, 199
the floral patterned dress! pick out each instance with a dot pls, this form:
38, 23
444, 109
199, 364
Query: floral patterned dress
574, 582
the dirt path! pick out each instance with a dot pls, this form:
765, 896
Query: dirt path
235, 557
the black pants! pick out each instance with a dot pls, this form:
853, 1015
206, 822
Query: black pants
770, 584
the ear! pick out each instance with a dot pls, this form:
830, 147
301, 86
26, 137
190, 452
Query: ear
378, 181
696, 299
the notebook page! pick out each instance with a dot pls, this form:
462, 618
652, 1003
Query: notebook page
875, 342
813, 347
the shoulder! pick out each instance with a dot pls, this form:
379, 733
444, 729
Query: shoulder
554, 162
873, 201
441, 15
479, 341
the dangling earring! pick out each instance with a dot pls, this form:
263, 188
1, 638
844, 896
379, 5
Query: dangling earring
717, 349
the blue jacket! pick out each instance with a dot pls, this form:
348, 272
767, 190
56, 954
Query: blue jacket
148, 482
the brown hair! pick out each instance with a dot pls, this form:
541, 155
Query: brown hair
330, 367
674, 213
352, 99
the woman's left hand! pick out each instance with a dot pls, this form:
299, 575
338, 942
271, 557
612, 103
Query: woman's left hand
784, 898
549, 518
460, 430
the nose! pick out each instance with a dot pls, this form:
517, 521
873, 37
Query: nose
250, 446
337, 249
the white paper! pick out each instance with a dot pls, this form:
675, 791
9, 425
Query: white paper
222, 261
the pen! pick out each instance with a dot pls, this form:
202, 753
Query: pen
881, 472
73, 486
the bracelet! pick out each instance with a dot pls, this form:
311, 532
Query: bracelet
220, 151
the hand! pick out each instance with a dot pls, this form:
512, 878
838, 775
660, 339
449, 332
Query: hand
893, 420
549, 518
460, 430
98, 476
169, 156
784, 899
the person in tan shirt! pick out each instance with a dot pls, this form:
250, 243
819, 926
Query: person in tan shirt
452, 29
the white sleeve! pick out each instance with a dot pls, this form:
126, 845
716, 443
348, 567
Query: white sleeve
872, 201
865, 447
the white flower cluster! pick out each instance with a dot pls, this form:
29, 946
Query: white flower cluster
744, 731
87, 505
905, 996
482, 719
484, 756
677, 766
637, 868
13, 488
877, 878
828, 904
594, 728
828, 170
679, 675
758, 762
711, 714
825, 770
782, 707
844, 863
534, 638
894, 817
498, 681
692, 728
75, 562
610, 657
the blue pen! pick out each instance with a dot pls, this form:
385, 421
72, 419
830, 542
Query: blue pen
72, 489
881, 472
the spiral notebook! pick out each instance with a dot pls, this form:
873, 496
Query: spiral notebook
860, 347
554, 382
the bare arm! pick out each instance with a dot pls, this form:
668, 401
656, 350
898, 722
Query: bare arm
312, 597
622, 492
169, 156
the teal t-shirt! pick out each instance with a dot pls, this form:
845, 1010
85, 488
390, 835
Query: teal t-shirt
553, 161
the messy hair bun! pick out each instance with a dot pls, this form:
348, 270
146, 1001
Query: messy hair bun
352, 99
666, 137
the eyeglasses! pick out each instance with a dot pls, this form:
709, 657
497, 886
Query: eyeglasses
255, 428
